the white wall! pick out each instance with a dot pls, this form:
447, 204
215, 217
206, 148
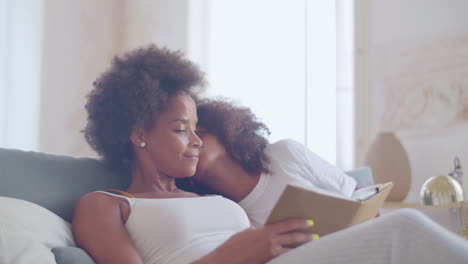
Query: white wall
412, 78
155, 21
79, 41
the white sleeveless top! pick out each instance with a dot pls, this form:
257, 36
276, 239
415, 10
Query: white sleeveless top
181, 230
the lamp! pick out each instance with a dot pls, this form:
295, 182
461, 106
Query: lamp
441, 190
446, 191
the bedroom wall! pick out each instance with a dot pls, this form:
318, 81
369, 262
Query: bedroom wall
79, 40
412, 79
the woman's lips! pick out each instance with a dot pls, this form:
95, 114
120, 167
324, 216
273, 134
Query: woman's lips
194, 157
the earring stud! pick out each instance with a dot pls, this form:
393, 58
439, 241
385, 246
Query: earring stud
142, 144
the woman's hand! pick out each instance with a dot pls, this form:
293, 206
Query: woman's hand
259, 245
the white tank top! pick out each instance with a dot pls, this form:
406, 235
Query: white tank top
181, 230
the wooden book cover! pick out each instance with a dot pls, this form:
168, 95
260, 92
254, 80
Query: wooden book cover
329, 213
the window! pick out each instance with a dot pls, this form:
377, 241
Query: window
276, 57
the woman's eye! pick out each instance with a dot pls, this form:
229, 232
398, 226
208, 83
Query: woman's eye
199, 133
180, 131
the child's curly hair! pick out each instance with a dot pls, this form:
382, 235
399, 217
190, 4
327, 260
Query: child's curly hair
238, 129
134, 91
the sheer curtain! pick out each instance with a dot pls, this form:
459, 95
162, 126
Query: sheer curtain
345, 114
20, 50
321, 78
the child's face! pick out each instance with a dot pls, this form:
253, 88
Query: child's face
211, 153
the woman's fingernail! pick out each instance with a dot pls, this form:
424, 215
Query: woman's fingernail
310, 222
315, 236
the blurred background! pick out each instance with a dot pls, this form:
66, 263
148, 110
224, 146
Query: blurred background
334, 75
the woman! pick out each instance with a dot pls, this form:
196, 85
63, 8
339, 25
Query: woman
141, 114
237, 162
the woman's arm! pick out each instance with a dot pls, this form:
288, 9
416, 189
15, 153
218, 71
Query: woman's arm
253, 246
98, 228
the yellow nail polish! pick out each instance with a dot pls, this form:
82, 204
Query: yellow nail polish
315, 236
310, 222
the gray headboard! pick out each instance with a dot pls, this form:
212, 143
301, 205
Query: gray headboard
52, 181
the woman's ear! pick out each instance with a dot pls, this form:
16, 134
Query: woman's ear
137, 136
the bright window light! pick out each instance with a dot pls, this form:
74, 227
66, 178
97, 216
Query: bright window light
278, 58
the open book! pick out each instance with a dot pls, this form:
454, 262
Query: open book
330, 213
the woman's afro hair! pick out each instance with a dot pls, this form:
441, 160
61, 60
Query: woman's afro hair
132, 92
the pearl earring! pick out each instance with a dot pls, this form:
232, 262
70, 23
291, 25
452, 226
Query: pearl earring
142, 144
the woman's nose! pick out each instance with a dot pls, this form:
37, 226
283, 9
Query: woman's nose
196, 141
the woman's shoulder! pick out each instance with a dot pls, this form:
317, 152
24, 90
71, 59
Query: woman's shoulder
97, 202
98, 196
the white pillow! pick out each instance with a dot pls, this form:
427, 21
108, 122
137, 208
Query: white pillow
28, 232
